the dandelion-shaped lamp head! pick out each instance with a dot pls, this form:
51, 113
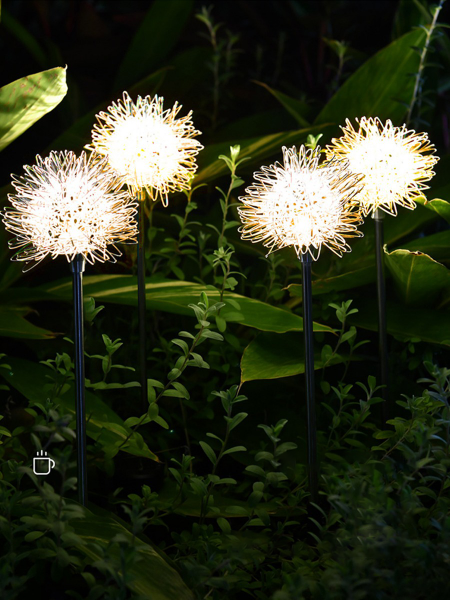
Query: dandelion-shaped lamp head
69, 205
395, 161
148, 146
302, 204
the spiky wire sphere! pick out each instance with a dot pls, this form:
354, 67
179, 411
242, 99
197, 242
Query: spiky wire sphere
395, 161
302, 204
69, 205
148, 146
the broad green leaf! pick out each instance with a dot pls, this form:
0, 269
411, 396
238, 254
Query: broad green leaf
26, 100
25, 37
381, 86
150, 576
175, 297
14, 325
154, 39
436, 245
429, 325
441, 207
257, 149
270, 356
103, 424
296, 108
418, 278
344, 281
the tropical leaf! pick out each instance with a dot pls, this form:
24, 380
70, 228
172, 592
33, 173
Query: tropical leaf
382, 87
149, 576
270, 356
441, 207
14, 325
153, 41
26, 100
426, 324
418, 278
175, 297
257, 149
296, 108
103, 424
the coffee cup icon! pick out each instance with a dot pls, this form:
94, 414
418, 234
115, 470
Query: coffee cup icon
42, 464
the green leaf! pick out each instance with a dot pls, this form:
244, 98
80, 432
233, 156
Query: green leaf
150, 576
26, 100
103, 424
441, 207
155, 38
235, 449
14, 325
34, 535
257, 148
209, 452
436, 245
176, 296
380, 86
270, 356
418, 278
427, 325
296, 108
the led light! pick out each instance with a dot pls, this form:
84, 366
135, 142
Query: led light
302, 204
396, 163
147, 146
69, 205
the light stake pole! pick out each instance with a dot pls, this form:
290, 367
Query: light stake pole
78, 264
303, 204
71, 206
309, 374
140, 197
151, 150
378, 217
395, 162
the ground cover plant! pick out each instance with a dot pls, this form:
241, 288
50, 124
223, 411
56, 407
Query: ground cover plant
204, 493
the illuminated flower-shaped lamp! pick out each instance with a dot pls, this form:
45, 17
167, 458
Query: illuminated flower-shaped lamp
305, 205
152, 151
396, 162
71, 206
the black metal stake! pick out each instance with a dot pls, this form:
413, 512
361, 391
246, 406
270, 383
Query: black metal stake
78, 265
142, 304
309, 373
378, 217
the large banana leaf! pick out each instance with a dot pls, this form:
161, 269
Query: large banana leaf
418, 278
150, 575
426, 324
257, 149
103, 424
25, 101
175, 297
382, 86
271, 355
14, 325
154, 39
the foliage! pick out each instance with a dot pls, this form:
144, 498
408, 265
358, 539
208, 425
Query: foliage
204, 494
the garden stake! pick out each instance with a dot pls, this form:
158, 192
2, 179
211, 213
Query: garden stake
151, 151
71, 206
309, 374
378, 217
140, 197
78, 265
303, 204
395, 162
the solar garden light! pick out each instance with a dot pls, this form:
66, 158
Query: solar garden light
305, 205
153, 152
396, 162
71, 206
